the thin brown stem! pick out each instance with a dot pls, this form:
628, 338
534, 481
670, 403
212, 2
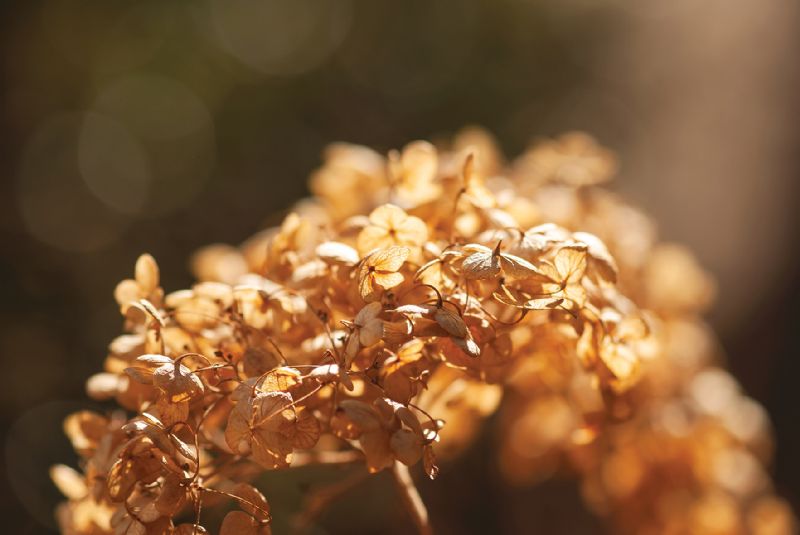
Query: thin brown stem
411, 498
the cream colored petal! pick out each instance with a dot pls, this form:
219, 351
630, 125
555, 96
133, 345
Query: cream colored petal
390, 259
413, 231
371, 333
388, 216
369, 312
481, 266
388, 280
374, 237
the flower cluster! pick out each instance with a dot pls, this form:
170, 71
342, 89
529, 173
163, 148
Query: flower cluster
683, 450
388, 315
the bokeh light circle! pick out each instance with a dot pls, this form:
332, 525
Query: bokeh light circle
278, 37
56, 206
176, 130
113, 163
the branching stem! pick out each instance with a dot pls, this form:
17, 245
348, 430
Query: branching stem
411, 498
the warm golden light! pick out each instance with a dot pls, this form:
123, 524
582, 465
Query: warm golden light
386, 317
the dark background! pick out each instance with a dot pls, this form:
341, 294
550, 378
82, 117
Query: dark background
163, 126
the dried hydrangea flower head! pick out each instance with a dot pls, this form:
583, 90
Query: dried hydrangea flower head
389, 315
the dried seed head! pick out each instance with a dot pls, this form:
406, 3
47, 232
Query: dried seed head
409, 281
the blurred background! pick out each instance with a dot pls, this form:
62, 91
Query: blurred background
156, 126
